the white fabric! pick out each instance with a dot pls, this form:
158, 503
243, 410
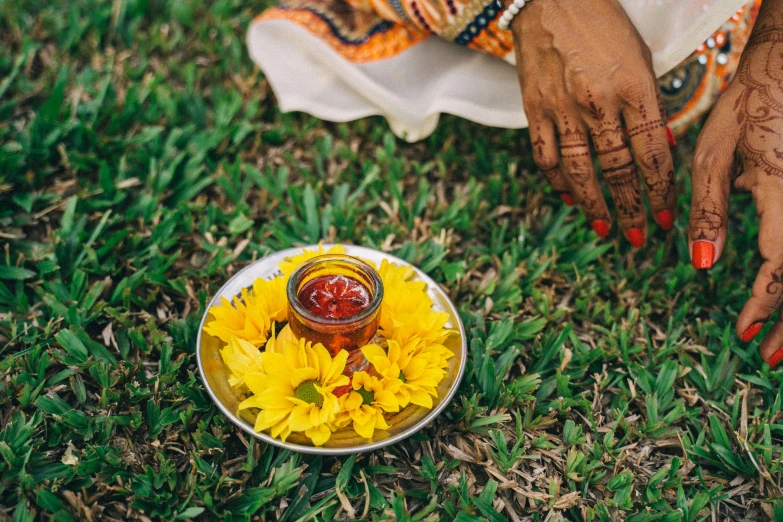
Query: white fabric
412, 89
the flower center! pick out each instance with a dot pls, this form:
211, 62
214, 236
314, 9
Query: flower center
368, 397
307, 392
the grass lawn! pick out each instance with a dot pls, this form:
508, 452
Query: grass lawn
143, 161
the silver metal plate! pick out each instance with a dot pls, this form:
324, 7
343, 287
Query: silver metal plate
411, 419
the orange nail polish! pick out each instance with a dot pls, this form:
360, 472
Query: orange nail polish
635, 236
601, 227
703, 255
752, 331
776, 358
665, 219
670, 137
567, 198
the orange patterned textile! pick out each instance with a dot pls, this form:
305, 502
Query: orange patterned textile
372, 31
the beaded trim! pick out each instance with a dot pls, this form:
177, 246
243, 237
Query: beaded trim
479, 23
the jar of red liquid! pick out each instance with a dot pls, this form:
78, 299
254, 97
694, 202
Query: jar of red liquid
335, 300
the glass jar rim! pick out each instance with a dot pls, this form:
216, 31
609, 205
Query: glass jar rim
372, 273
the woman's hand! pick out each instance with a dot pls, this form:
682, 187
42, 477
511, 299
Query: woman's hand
742, 142
586, 75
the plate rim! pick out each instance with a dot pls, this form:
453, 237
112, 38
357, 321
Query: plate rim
321, 450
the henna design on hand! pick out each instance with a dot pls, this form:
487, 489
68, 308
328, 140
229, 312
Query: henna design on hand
776, 285
646, 128
706, 217
623, 182
661, 186
759, 106
595, 111
609, 139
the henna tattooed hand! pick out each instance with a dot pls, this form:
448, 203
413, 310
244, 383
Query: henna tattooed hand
742, 142
586, 76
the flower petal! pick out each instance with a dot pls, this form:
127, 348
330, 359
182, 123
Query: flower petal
300, 418
301, 375
319, 435
386, 400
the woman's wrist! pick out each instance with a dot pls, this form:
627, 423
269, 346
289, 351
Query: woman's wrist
513, 7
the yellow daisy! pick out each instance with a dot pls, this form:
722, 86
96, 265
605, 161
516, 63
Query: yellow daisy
437, 354
290, 265
420, 322
284, 338
295, 391
241, 357
392, 274
365, 405
250, 317
418, 376
406, 311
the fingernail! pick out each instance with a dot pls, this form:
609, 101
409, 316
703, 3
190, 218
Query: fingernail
776, 358
635, 236
567, 199
601, 227
751, 332
670, 137
665, 219
703, 255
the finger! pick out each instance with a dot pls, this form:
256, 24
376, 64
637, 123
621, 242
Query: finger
578, 167
670, 138
547, 158
768, 289
618, 169
771, 348
647, 132
712, 167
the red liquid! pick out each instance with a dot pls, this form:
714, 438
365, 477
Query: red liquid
334, 296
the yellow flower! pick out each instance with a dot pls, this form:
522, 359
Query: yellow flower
392, 274
294, 390
406, 311
420, 323
439, 355
418, 375
281, 341
367, 402
241, 357
250, 317
290, 265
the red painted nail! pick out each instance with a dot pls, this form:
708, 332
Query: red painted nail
635, 236
752, 331
776, 358
670, 137
567, 198
601, 227
665, 219
703, 255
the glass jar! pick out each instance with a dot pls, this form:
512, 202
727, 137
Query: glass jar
335, 300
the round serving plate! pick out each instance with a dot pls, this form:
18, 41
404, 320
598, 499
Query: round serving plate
411, 419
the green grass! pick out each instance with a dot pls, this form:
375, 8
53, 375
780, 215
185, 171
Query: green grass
143, 161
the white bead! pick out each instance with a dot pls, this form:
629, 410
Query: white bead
508, 15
